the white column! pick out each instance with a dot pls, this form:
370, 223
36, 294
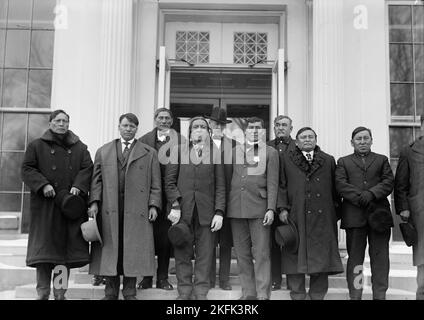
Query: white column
328, 64
115, 66
327, 83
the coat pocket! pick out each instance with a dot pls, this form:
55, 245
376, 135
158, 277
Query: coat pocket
263, 193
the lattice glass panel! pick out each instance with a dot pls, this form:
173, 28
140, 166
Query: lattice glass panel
192, 46
250, 47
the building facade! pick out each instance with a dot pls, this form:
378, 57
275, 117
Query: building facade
329, 64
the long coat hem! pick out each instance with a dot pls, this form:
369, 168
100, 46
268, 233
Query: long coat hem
72, 263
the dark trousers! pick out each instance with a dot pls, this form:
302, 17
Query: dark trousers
224, 265
204, 244
252, 242
356, 240
275, 257
318, 286
420, 282
113, 283
44, 278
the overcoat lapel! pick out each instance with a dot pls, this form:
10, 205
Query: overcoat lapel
137, 152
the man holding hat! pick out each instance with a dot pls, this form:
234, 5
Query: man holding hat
308, 198
57, 169
218, 122
364, 180
409, 200
126, 192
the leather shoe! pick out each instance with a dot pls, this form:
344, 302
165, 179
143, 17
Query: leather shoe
98, 281
248, 298
262, 298
110, 298
276, 286
146, 283
225, 285
200, 297
130, 298
164, 284
43, 297
183, 297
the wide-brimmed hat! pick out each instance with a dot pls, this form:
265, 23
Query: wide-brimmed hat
287, 236
179, 234
90, 230
219, 115
71, 206
409, 233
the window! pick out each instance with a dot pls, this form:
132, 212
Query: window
192, 46
26, 62
250, 47
406, 46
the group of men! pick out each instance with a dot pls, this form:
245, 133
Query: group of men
167, 193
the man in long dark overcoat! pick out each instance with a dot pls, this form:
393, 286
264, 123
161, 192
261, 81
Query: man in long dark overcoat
162, 136
364, 180
309, 199
126, 193
55, 162
409, 200
283, 142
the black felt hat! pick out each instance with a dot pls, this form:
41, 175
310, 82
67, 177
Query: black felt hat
379, 217
409, 233
179, 234
71, 206
287, 236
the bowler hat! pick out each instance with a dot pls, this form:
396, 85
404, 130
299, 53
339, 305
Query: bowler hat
179, 234
379, 217
219, 115
90, 230
71, 206
409, 233
287, 236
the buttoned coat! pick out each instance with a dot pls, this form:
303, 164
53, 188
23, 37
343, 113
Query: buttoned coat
254, 188
353, 177
309, 194
52, 237
142, 190
198, 182
409, 192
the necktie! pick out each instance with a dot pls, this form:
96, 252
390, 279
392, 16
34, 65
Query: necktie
309, 157
126, 151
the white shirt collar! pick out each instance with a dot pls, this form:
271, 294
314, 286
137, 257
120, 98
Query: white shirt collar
123, 143
162, 137
310, 152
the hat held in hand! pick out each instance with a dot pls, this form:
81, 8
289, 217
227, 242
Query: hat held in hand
71, 206
409, 233
90, 230
179, 234
287, 236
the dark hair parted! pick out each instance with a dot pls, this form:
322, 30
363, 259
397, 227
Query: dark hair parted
163, 110
281, 117
55, 113
255, 119
305, 129
131, 117
360, 129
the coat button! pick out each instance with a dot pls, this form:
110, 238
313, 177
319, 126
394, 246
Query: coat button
56, 184
309, 195
365, 182
69, 151
309, 211
318, 195
317, 179
70, 167
243, 177
320, 211
307, 179
52, 151
242, 188
53, 167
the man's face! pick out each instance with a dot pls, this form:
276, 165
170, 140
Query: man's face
254, 132
127, 129
283, 128
362, 142
60, 124
306, 141
199, 131
217, 128
163, 121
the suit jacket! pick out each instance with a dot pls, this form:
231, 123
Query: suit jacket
253, 188
200, 183
282, 147
354, 177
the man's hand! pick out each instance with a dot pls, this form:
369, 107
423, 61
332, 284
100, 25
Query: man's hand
174, 216
48, 191
93, 210
365, 198
153, 214
75, 191
269, 218
404, 215
216, 224
284, 216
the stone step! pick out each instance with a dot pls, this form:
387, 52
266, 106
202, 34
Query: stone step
12, 276
84, 291
14, 246
9, 222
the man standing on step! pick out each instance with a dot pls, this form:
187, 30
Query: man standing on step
57, 169
282, 143
161, 136
409, 200
364, 180
126, 192
251, 208
217, 122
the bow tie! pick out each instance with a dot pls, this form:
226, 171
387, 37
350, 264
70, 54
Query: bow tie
308, 157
